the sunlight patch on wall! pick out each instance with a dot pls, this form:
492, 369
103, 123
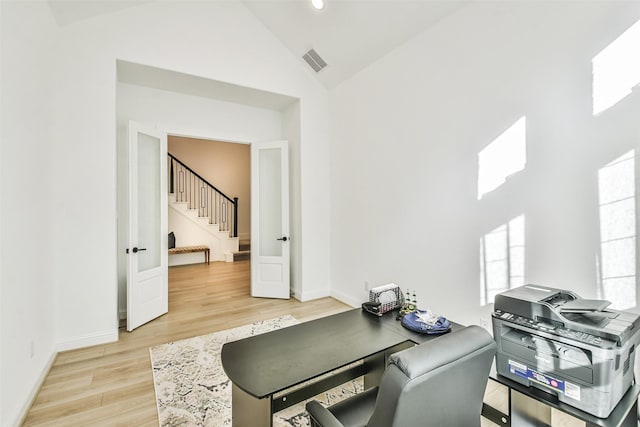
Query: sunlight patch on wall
502, 259
617, 266
506, 155
616, 69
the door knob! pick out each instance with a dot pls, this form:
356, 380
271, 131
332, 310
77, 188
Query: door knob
135, 250
284, 238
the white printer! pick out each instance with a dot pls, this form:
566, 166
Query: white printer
571, 347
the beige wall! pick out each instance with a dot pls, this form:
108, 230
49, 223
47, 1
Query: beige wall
225, 165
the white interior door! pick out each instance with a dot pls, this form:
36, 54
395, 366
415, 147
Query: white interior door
147, 271
270, 220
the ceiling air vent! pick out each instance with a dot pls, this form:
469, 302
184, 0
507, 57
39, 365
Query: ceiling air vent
314, 60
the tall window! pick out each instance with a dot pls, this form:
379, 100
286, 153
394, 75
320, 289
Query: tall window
616, 69
504, 156
617, 266
502, 259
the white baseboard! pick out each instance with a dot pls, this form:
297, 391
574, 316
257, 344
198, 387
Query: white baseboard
296, 294
24, 411
102, 337
308, 296
77, 342
347, 299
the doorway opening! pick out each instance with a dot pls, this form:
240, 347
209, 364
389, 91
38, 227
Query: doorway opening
209, 199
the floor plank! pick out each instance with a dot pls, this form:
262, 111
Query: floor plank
112, 384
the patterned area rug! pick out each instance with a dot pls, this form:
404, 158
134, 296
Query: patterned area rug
193, 390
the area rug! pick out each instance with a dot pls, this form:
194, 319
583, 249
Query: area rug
193, 390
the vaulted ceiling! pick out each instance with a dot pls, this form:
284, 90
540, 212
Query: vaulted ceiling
348, 34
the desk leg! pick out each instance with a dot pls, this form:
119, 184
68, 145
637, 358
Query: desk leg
374, 368
247, 411
526, 411
376, 364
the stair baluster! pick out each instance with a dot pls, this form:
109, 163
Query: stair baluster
199, 194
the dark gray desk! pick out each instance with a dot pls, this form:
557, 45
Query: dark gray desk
264, 367
271, 371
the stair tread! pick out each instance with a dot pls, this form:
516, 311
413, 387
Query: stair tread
241, 255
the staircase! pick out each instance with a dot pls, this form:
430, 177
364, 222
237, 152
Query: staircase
244, 251
202, 214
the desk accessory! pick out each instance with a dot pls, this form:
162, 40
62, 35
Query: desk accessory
425, 322
372, 308
389, 297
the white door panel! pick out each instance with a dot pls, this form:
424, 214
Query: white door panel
270, 220
147, 259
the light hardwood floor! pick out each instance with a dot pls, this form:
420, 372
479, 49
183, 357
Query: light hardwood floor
112, 384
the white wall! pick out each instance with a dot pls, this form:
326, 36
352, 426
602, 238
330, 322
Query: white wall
216, 40
1, 226
406, 131
27, 305
66, 78
179, 114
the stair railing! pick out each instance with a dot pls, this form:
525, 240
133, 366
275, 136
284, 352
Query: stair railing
199, 194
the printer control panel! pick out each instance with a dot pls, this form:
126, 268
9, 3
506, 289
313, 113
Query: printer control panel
579, 336
544, 327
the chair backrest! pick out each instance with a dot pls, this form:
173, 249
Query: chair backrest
439, 383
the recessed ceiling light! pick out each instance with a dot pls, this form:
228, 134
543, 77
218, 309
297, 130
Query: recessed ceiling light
318, 4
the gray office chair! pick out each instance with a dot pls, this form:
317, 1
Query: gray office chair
439, 383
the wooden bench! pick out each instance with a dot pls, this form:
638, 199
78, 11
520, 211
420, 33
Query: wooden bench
191, 249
